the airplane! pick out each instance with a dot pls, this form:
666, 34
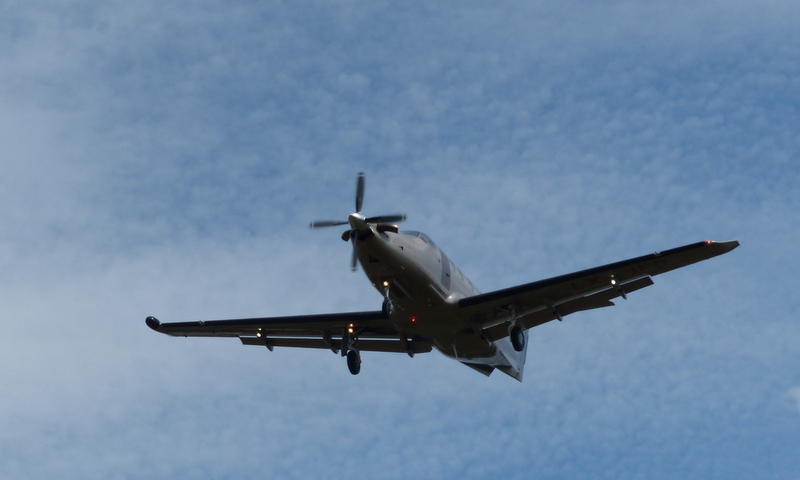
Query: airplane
428, 303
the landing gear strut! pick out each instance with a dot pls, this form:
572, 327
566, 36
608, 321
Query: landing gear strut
515, 333
354, 361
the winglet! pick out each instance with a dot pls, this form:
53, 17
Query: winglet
722, 247
153, 323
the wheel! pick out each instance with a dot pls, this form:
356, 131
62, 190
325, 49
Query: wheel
387, 308
354, 362
517, 338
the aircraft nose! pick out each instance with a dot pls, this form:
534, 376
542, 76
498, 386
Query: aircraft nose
357, 221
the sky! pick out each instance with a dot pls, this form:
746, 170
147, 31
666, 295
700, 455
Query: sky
166, 158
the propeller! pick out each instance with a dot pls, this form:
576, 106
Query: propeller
358, 222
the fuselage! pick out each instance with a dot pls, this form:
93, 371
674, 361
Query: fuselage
421, 287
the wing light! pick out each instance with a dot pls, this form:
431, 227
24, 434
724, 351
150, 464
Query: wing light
622, 292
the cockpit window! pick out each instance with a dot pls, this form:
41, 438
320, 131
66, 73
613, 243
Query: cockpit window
427, 239
421, 235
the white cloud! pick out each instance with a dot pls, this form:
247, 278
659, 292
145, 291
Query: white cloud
794, 393
165, 159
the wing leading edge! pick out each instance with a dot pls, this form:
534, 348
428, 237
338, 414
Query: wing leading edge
540, 302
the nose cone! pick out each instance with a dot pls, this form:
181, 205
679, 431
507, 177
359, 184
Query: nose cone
357, 222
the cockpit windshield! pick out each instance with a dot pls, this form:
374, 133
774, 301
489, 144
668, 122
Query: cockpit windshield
421, 235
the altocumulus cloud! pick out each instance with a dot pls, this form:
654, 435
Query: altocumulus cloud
165, 158
794, 394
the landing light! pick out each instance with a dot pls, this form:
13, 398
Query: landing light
386, 283
350, 329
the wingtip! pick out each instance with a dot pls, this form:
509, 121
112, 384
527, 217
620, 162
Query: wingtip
725, 246
719, 248
153, 323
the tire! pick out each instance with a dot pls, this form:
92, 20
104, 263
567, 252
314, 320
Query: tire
387, 308
353, 362
517, 338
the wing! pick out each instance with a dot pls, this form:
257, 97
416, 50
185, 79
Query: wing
540, 302
373, 329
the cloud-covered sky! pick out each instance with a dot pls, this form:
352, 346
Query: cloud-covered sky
165, 159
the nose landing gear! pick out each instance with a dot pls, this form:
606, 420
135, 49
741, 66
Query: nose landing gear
387, 308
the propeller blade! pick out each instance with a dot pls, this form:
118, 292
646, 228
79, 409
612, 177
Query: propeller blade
360, 192
399, 217
359, 223
354, 258
327, 223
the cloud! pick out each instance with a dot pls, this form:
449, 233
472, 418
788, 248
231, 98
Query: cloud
794, 393
166, 159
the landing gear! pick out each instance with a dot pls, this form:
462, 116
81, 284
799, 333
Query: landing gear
351, 350
387, 308
517, 338
354, 362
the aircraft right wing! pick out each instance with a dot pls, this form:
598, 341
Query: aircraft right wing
539, 302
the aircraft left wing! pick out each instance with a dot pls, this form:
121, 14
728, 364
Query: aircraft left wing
373, 329
539, 302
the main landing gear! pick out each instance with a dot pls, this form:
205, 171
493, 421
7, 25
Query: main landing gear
517, 338
354, 361
350, 350
515, 333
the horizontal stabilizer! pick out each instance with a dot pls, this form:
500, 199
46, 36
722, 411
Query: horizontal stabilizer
484, 369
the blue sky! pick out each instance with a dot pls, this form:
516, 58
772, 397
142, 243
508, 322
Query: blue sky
165, 159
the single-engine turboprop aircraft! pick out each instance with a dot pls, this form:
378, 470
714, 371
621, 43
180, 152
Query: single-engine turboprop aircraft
428, 303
